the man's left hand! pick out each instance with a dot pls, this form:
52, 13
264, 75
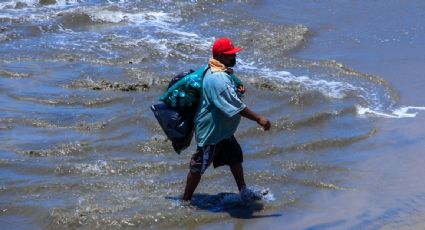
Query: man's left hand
240, 89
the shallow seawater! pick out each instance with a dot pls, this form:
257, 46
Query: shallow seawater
80, 147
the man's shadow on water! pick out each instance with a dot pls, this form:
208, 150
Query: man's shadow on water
227, 202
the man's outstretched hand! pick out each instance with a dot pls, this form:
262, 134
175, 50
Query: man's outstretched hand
241, 89
246, 112
264, 123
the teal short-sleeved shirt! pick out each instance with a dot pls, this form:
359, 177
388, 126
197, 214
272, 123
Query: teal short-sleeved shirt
217, 117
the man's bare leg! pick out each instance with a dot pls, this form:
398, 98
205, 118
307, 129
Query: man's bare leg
237, 171
191, 184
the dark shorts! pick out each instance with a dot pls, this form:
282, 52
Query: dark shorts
226, 152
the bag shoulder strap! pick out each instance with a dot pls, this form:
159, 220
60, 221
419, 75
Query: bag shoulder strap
205, 72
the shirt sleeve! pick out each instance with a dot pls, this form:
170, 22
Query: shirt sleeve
227, 100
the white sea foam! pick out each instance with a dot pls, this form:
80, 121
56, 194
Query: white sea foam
336, 90
32, 11
331, 89
256, 192
62, 3
99, 168
157, 19
12, 4
163, 45
402, 112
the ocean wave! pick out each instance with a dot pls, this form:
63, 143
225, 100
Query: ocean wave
329, 143
74, 148
18, 4
38, 123
311, 120
24, 4
91, 15
313, 145
106, 85
169, 41
34, 11
322, 185
374, 95
272, 177
165, 46
290, 82
11, 74
308, 166
71, 100
273, 40
401, 112
156, 144
286, 123
158, 19
120, 167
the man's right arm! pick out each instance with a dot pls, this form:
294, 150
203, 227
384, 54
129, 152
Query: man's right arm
248, 113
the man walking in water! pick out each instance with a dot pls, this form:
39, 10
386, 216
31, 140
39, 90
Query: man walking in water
217, 119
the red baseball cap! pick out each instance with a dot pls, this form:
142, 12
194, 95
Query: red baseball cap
224, 46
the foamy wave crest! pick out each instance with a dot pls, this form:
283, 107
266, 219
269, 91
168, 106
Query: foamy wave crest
67, 2
402, 112
24, 4
330, 89
15, 3
336, 90
158, 19
34, 10
101, 167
